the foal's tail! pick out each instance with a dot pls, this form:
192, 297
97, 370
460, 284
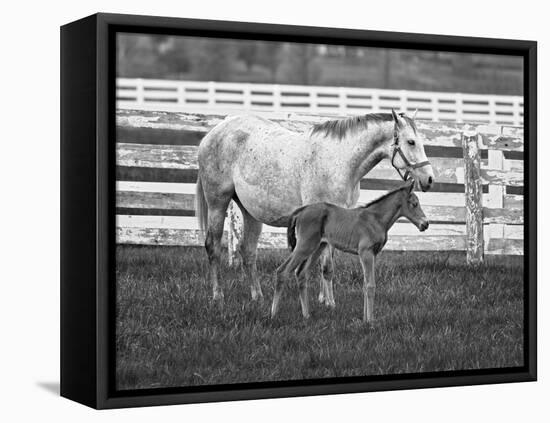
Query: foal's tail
291, 230
201, 208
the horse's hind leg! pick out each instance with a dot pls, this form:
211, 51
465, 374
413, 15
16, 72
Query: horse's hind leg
248, 247
214, 232
326, 293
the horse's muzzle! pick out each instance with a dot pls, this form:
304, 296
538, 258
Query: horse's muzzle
424, 225
425, 185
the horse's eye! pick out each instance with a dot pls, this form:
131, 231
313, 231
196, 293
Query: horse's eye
411, 142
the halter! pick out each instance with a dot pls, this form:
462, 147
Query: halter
408, 165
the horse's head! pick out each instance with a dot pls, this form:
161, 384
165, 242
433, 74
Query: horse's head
411, 210
408, 152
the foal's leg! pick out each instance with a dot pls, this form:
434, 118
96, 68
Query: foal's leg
302, 278
367, 259
327, 271
279, 285
296, 259
248, 246
322, 287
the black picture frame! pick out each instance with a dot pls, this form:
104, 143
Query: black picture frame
87, 209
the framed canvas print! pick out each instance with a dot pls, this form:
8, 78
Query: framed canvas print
254, 211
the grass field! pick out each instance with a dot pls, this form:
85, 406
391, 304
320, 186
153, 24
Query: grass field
433, 313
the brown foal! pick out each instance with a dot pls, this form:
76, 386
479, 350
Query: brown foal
362, 231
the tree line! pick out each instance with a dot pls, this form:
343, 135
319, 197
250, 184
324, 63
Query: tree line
210, 59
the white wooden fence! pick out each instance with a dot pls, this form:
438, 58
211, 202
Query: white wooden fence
222, 98
157, 168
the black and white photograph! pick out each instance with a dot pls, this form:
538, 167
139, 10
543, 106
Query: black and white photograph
241, 211
305, 212
251, 211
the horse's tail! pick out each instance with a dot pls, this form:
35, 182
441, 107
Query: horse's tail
291, 230
201, 208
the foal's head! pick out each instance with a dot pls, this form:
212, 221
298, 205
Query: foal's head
410, 208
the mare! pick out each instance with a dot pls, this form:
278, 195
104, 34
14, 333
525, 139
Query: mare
270, 171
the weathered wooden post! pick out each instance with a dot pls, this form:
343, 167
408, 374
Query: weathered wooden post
474, 197
234, 232
140, 92
495, 197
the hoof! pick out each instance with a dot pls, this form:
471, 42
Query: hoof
321, 298
257, 296
357, 323
362, 324
218, 296
236, 263
371, 324
330, 304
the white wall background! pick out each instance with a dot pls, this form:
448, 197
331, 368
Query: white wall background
29, 172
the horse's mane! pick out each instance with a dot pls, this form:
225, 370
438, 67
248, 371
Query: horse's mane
339, 128
388, 194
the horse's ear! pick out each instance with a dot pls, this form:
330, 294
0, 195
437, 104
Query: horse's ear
414, 114
395, 118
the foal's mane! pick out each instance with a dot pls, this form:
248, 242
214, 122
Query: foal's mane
383, 197
339, 128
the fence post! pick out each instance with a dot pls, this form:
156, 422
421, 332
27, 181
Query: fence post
403, 101
277, 98
496, 195
492, 110
247, 96
459, 108
375, 101
211, 93
342, 109
234, 233
518, 119
474, 198
140, 92
434, 102
181, 94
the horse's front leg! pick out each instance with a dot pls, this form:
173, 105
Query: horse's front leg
367, 259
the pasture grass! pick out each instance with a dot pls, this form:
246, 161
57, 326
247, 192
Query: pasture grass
432, 312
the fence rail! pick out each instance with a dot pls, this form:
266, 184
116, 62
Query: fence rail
221, 97
476, 204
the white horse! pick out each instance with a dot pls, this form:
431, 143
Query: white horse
270, 171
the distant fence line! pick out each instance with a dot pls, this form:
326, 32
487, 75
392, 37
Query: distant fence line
476, 204
222, 97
